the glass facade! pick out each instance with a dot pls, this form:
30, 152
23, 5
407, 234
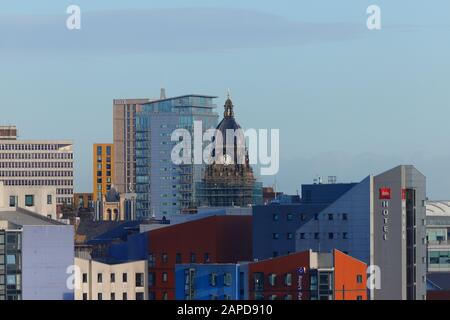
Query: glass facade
10, 265
438, 231
162, 187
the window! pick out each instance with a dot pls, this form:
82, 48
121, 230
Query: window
359, 278
108, 150
275, 236
113, 277
359, 298
316, 236
344, 235
316, 216
99, 150
151, 260
272, 279
330, 235
207, 259
288, 279
99, 278
289, 217
302, 235
165, 296
85, 278
164, 277
213, 279
276, 217
303, 217
85, 296
12, 201
113, 296
164, 258
49, 199
151, 279
124, 296
29, 200
227, 279
178, 258
288, 297
11, 259
99, 296
344, 216
139, 279
139, 296
289, 236
124, 277
193, 257
258, 279
330, 216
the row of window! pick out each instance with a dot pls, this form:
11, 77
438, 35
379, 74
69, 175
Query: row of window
68, 182
315, 235
46, 156
64, 191
29, 146
99, 166
100, 150
304, 217
178, 258
29, 200
100, 173
139, 296
36, 173
139, 278
35, 164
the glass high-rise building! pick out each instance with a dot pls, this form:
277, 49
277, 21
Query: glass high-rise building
162, 187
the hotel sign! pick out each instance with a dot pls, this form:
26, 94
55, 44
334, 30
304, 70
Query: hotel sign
385, 196
385, 193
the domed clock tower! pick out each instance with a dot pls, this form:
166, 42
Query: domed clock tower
229, 180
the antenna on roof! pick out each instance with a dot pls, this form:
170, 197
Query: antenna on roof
162, 94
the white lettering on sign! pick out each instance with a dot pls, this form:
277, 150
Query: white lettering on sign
385, 214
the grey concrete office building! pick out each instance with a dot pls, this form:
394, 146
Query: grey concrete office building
37, 163
124, 126
380, 220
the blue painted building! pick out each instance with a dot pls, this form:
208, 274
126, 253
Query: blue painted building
208, 282
275, 225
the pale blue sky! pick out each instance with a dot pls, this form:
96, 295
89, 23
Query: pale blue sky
347, 101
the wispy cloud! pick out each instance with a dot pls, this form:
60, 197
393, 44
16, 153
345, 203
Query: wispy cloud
167, 30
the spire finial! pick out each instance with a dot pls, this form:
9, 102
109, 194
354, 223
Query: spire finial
228, 106
228, 93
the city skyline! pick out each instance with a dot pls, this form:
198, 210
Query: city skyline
337, 95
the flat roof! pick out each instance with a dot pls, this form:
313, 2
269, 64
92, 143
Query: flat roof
183, 96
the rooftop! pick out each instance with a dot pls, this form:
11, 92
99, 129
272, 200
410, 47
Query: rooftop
22, 217
438, 208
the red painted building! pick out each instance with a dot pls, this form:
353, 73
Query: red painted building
307, 275
217, 239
